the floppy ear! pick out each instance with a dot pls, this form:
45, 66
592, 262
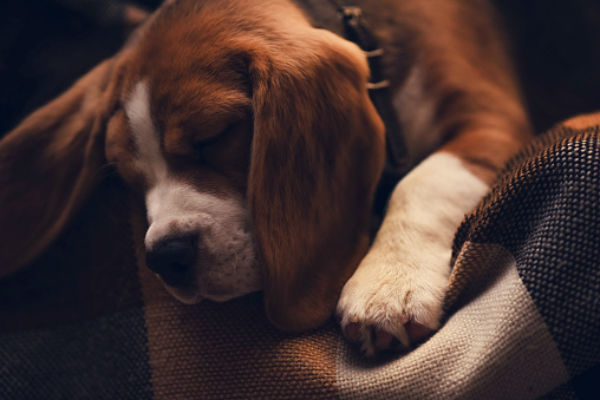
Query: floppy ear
48, 165
317, 154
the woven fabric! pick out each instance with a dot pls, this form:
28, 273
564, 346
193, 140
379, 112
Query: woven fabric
545, 210
495, 346
88, 320
73, 323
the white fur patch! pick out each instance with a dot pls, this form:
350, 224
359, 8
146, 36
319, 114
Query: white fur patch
226, 265
150, 159
415, 109
405, 274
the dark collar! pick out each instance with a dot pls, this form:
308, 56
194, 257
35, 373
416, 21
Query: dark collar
357, 31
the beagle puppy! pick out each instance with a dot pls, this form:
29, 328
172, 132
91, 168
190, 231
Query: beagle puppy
246, 132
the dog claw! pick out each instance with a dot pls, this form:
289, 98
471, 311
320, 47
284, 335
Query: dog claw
353, 332
417, 332
383, 339
374, 340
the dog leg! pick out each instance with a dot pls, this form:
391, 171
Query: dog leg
394, 299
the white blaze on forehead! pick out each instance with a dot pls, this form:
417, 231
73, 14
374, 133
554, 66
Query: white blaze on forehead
149, 159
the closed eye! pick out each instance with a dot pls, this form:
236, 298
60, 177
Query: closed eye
222, 134
209, 149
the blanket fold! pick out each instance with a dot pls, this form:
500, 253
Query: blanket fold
523, 308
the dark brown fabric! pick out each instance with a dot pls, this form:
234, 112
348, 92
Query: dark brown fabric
88, 272
72, 322
88, 320
230, 350
545, 210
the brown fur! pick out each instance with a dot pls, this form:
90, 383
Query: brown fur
316, 144
583, 121
50, 163
249, 98
469, 80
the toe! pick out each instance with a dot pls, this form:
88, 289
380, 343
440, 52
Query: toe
383, 339
417, 332
352, 332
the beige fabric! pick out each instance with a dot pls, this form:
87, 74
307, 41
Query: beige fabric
89, 320
498, 338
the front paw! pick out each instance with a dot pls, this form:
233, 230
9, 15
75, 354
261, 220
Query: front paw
395, 297
385, 307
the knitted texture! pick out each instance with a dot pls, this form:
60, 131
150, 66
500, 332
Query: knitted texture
89, 320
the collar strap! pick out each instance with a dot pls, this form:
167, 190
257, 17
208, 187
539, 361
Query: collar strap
358, 32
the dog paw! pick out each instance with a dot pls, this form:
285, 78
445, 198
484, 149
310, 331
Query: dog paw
395, 297
382, 307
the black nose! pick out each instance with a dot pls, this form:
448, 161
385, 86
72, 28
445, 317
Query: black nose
172, 258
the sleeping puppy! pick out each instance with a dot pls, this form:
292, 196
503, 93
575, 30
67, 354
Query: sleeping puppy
247, 134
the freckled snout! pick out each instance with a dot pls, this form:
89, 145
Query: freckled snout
173, 258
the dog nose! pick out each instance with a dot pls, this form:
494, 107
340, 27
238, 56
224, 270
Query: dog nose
172, 258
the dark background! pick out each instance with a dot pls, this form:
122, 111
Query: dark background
46, 44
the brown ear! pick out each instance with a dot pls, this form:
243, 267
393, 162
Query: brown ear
48, 165
317, 153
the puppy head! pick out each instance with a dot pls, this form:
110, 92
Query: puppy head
189, 163
251, 141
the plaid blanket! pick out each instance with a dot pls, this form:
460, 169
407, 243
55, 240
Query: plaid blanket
87, 320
